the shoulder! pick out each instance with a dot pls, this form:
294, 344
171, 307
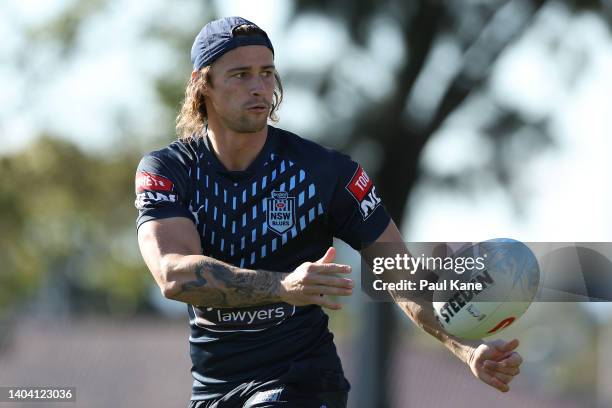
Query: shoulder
177, 156
176, 153
168, 169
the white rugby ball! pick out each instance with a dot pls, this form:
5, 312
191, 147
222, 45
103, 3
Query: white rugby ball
509, 282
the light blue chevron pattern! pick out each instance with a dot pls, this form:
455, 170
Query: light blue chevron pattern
232, 217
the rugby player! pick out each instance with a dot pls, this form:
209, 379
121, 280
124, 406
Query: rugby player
236, 220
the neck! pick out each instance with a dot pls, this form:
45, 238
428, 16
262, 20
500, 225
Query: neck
236, 151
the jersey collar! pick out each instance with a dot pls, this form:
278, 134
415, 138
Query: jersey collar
260, 159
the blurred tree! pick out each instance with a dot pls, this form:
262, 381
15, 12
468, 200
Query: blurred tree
67, 222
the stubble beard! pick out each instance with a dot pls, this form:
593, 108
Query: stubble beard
246, 124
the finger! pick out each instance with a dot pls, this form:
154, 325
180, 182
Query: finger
513, 360
325, 280
493, 381
329, 256
494, 366
325, 302
327, 290
507, 346
330, 268
505, 378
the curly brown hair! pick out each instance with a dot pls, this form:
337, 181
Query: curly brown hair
192, 117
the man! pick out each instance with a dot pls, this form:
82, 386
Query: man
236, 220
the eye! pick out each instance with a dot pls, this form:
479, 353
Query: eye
240, 75
266, 73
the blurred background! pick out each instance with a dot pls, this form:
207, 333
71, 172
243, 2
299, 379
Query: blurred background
477, 119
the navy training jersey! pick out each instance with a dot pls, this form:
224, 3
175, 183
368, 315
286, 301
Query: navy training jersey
282, 211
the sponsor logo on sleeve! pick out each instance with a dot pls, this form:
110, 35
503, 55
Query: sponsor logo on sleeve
152, 182
150, 198
362, 189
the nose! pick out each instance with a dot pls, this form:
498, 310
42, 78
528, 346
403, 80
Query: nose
257, 86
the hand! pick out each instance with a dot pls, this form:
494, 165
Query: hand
496, 363
310, 282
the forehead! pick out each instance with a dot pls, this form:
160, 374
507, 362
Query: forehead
248, 55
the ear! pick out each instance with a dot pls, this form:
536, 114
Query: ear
194, 76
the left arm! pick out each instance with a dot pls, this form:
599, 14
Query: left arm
495, 362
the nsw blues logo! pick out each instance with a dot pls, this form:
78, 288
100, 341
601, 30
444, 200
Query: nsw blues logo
281, 211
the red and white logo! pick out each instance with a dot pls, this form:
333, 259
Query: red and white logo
152, 182
363, 190
360, 184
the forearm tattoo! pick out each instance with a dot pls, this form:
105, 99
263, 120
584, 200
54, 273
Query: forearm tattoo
199, 282
218, 284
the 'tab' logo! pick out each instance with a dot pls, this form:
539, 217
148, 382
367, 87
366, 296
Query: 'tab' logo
281, 212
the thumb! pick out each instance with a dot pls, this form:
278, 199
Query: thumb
329, 256
508, 346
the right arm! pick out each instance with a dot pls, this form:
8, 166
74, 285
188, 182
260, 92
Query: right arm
171, 250
494, 362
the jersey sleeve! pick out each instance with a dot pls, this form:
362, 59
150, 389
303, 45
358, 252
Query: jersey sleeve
162, 188
357, 214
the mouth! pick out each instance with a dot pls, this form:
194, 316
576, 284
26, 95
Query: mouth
258, 108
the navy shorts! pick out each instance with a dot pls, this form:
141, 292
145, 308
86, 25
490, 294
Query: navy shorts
306, 384
281, 396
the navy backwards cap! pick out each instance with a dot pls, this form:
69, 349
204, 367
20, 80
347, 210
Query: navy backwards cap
217, 38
